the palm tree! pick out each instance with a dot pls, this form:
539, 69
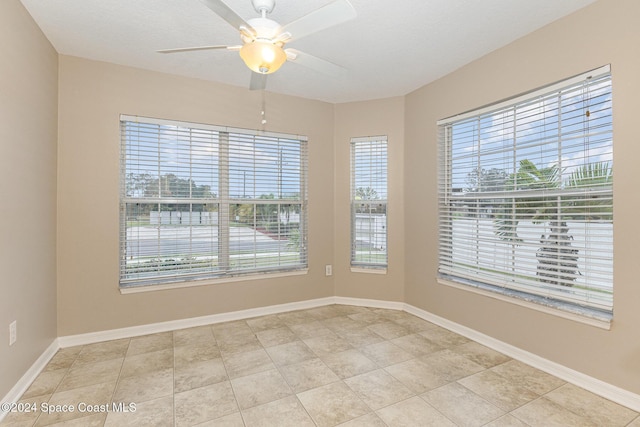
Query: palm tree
557, 259
536, 208
366, 193
592, 175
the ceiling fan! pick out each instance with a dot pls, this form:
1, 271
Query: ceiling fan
263, 39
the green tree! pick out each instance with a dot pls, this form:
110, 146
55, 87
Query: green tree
557, 259
536, 208
591, 175
294, 240
288, 209
168, 185
480, 179
483, 180
259, 214
366, 193
266, 213
244, 213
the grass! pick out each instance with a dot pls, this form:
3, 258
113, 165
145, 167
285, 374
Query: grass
370, 257
237, 261
137, 223
526, 278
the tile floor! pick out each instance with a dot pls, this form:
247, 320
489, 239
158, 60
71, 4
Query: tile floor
327, 366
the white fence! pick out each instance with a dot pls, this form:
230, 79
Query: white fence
371, 230
592, 240
202, 218
183, 218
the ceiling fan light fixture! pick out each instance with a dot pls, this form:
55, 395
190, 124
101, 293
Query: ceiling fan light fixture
262, 56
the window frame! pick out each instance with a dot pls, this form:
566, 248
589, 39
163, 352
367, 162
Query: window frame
221, 202
483, 281
376, 146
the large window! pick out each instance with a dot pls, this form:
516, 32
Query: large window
525, 196
369, 202
200, 201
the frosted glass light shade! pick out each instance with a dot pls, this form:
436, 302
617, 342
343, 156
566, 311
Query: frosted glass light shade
263, 57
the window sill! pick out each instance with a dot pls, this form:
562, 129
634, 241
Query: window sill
564, 311
207, 282
372, 270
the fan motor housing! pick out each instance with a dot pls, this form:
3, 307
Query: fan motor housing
266, 29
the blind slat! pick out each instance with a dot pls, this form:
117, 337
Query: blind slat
369, 202
202, 201
525, 194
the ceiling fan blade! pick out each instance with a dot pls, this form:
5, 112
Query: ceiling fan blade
327, 16
258, 81
191, 49
315, 63
226, 13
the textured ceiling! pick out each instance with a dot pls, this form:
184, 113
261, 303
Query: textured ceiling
389, 49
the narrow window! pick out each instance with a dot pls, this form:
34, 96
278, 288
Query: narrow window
369, 202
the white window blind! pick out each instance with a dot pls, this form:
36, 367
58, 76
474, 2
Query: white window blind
526, 198
200, 201
369, 202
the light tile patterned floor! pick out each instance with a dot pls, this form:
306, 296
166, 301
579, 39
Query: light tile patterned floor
327, 366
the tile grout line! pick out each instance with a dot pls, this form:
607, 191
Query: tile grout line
235, 397
173, 379
501, 373
285, 379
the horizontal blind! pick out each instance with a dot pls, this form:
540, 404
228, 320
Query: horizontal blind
369, 202
266, 205
526, 195
201, 201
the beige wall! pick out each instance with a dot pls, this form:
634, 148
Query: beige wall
28, 127
606, 32
370, 118
92, 96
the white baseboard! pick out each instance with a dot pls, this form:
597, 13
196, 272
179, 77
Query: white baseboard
25, 381
601, 388
154, 328
594, 385
375, 303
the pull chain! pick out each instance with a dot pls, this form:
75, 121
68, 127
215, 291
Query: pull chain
263, 112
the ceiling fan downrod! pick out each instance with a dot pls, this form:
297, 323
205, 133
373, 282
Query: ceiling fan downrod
263, 7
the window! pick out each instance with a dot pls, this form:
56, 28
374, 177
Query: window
369, 202
526, 199
200, 201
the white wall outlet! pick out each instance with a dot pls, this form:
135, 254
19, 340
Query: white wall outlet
13, 332
328, 270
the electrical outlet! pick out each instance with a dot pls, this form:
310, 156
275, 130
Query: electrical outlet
328, 270
13, 332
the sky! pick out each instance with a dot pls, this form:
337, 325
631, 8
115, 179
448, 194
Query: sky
550, 129
258, 165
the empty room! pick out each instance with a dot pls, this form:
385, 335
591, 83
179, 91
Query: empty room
319, 213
